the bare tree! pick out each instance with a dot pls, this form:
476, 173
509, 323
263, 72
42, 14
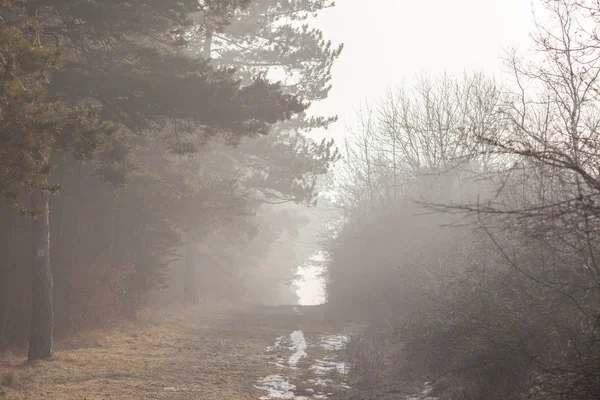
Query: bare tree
547, 195
421, 135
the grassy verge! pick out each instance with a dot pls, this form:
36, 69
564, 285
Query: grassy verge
209, 352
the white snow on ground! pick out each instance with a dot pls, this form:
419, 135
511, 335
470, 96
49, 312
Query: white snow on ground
334, 342
297, 343
322, 367
299, 347
280, 386
319, 381
279, 365
277, 387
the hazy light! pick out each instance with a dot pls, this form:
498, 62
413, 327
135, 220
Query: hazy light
391, 42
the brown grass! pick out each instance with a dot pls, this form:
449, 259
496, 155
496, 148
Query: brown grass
210, 352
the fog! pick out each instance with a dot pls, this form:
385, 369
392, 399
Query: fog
415, 39
294, 199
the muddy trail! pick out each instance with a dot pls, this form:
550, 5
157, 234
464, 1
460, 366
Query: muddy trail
309, 360
208, 352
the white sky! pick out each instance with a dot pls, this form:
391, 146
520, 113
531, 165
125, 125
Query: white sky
390, 42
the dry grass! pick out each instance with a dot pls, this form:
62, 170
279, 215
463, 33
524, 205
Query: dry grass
210, 352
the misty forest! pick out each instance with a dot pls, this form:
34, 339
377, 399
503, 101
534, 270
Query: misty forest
185, 212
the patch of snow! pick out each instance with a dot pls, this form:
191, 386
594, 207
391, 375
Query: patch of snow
322, 367
319, 381
276, 387
280, 386
299, 347
334, 342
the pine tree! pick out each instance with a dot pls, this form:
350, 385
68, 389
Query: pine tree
30, 127
274, 38
123, 59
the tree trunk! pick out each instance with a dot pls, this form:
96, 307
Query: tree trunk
190, 294
42, 319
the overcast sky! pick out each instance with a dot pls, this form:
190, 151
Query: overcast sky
390, 42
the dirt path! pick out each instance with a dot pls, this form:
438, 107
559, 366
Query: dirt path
207, 353
308, 366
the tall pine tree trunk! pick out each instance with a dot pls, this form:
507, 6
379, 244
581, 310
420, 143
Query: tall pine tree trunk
42, 320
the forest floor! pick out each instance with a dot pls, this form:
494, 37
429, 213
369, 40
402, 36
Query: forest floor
209, 352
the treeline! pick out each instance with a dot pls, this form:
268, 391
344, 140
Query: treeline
469, 245
133, 133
